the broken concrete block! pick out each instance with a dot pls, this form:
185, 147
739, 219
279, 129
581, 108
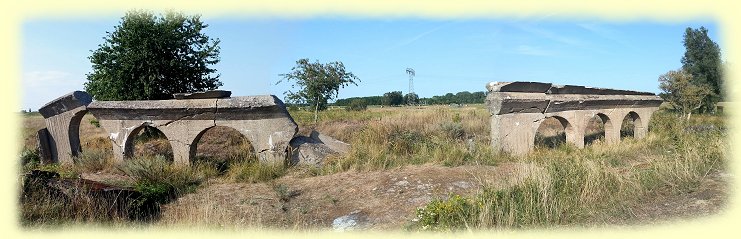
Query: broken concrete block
62, 117
313, 150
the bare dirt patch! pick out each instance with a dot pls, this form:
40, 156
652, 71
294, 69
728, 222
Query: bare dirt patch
383, 199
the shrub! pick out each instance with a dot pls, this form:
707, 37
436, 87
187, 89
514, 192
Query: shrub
161, 181
453, 130
95, 122
357, 105
30, 158
93, 160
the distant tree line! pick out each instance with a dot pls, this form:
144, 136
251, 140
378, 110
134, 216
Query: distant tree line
397, 98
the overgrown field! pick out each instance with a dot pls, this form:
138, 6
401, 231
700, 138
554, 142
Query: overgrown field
567, 186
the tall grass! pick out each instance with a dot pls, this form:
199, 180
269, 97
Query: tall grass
574, 186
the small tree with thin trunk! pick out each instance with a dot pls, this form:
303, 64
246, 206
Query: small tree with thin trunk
318, 83
682, 93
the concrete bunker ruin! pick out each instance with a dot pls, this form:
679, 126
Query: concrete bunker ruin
518, 108
263, 120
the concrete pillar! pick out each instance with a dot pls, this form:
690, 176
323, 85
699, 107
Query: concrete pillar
515, 133
574, 126
612, 134
62, 117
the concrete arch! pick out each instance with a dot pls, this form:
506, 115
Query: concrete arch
606, 123
639, 128
193, 147
128, 151
568, 128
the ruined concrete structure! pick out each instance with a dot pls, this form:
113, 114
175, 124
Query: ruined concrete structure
60, 140
518, 108
263, 120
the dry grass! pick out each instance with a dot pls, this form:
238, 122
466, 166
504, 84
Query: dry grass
571, 186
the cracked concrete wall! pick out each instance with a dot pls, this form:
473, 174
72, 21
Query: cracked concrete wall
62, 117
518, 108
263, 120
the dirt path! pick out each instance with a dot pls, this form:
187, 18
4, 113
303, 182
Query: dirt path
379, 200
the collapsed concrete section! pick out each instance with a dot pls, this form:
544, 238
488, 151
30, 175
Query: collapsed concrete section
261, 119
60, 141
314, 149
518, 108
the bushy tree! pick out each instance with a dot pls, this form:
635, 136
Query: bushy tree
357, 105
702, 61
318, 83
393, 98
680, 91
149, 57
411, 99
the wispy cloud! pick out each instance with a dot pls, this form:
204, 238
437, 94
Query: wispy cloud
604, 32
532, 51
549, 35
409, 41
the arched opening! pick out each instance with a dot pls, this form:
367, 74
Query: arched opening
552, 132
148, 142
594, 130
221, 146
628, 126
95, 150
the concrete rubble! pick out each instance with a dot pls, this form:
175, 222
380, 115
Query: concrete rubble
314, 149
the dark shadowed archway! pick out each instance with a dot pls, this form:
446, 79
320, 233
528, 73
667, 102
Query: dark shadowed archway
629, 124
596, 128
552, 132
147, 141
221, 146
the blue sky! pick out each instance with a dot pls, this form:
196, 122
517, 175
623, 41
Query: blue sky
447, 55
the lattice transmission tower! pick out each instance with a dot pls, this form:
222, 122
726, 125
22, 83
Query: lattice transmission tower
410, 72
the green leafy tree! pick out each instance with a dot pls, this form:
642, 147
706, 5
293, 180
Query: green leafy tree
150, 57
318, 83
393, 98
702, 60
680, 91
357, 105
411, 99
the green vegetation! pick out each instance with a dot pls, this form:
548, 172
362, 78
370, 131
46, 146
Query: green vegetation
698, 85
392, 98
357, 105
318, 83
147, 57
569, 186
561, 186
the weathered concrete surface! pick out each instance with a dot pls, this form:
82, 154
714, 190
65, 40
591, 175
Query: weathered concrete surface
518, 108
314, 149
261, 119
62, 117
44, 140
211, 94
